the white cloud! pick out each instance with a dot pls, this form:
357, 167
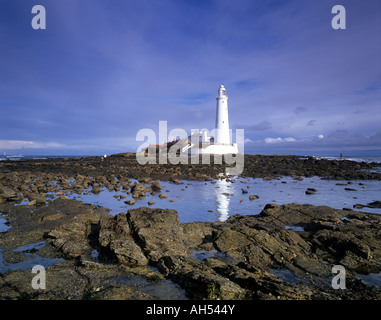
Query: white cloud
20, 144
280, 140
320, 136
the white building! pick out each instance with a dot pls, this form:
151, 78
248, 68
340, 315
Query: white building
200, 142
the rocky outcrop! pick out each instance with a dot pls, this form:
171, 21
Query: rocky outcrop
198, 279
74, 238
158, 232
244, 251
116, 242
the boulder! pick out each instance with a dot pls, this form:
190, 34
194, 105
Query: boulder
156, 185
96, 190
9, 194
39, 199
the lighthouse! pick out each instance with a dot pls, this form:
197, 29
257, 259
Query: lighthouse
201, 143
222, 133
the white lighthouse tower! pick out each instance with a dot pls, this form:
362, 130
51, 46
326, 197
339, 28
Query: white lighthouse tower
221, 144
222, 133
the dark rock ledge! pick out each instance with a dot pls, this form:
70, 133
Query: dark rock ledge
247, 255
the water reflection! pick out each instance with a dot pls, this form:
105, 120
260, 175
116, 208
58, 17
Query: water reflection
222, 199
212, 200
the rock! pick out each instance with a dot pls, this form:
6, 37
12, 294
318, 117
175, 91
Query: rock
39, 200
73, 238
158, 232
155, 186
128, 252
32, 203
138, 190
310, 191
228, 239
375, 204
117, 243
130, 202
200, 281
111, 228
9, 194
96, 190
292, 214
52, 217
253, 197
145, 180
244, 191
120, 292
163, 196
151, 203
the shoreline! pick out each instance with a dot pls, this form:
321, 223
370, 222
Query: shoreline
255, 166
285, 252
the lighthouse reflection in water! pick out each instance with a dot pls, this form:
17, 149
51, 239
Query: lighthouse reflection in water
222, 199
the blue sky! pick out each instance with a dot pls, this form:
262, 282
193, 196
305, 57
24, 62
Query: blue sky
103, 70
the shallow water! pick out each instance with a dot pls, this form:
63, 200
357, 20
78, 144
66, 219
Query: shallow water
371, 279
3, 225
219, 199
29, 259
286, 275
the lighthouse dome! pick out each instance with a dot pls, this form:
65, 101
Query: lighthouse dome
222, 91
